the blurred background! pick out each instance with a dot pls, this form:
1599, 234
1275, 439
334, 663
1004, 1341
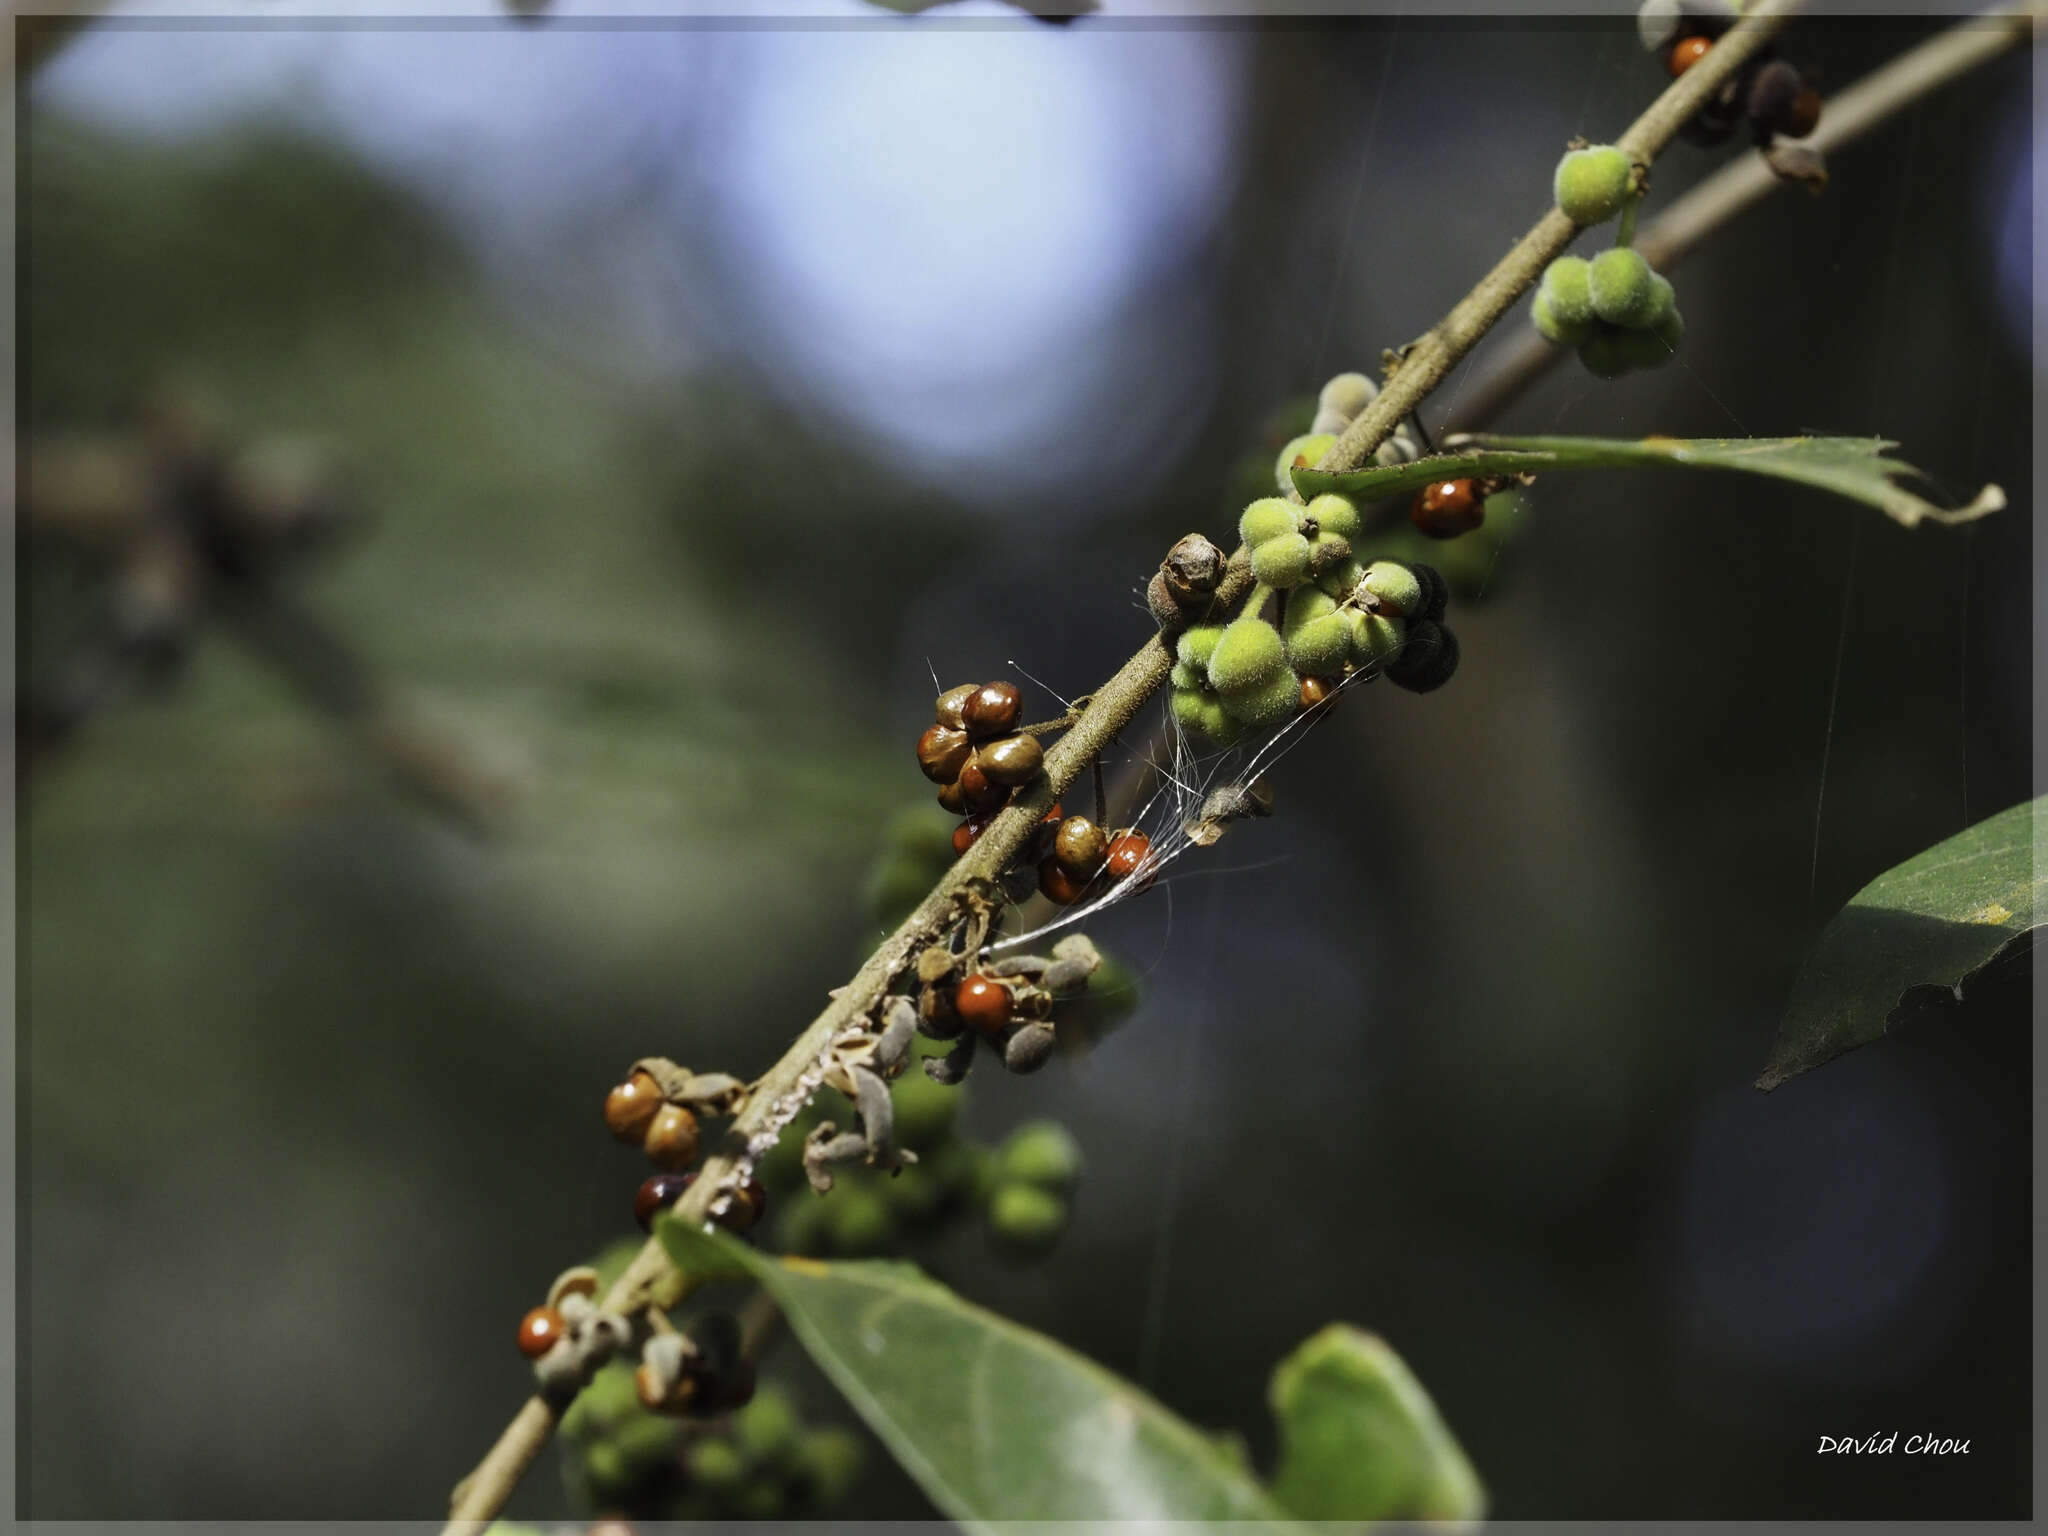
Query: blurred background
705, 390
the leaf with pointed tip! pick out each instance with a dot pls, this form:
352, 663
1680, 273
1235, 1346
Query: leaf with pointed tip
1941, 919
1361, 1440
994, 1422
1854, 467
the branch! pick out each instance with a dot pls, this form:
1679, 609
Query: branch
651, 1280
1742, 183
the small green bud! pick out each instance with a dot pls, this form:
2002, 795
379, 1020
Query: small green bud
1592, 184
1308, 449
924, 1110
1564, 290
828, 1461
1184, 676
1197, 645
1320, 647
1249, 655
1041, 1152
1304, 606
1603, 355
1390, 588
1336, 514
1375, 637
1026, 1219
1268, 518
1281, 563
715, 1462
862, 1223
1267, 704
1326, 551
1202, 715
1623, 287
766, 1429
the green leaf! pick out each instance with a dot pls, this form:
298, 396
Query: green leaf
1854, 467
1361, 1440
1941, 919
994, 1422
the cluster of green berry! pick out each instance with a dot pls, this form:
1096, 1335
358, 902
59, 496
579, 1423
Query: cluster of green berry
1614, 309
755, 1460
1338, 618
1773, 96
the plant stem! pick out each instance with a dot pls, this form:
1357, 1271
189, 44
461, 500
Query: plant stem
651, 1280
1739, 185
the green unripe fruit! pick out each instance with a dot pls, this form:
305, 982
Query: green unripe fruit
1592, 184
1320, 647
828, 1462
1041, 1152
609, 1400
1564, 290
1281, 563
1336, 514
1643, 349
714, 1462
1390, 588
646, 1440
1664, 301
1553, 329
861, 1222
608, 1475
1268, 518
1623, 287
924, 1110
1339, 581
1249, 655
1268, 704
1326, 551
1026, 1219
766, 1429
1307, 450
955, 1166
758, 1500
1603, 355
1202, 715
1304, 606
1185, 676
1197, 645
1375, 638
1670, 329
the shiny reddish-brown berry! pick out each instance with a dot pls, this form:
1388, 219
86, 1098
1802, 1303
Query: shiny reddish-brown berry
657, 1194
1319, 693
1053, 817
1126, 852
1079, 847
1685, 53
991, 710
631, 1107
951, 702
1803, 116
539, 1330
952, 798
978, 792
1444, 509
672, 1138
983, 1004
968, 831
942, 752
1011, 761
743, 1206
1057, 886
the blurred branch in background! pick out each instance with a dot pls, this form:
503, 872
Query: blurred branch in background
187, 525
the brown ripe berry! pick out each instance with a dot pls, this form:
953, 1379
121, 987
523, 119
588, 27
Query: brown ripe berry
991, 710
1803, 116
539, 1330
657, 1194
672, 1139
1057, 886
951, 797
965, 834
951, 702
1319, 692
978, 792
1079, 847
1011, 761
1685, 53
743, 1206
942, 752
1444, 509
630, 1107
983, 1004
1126, 852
